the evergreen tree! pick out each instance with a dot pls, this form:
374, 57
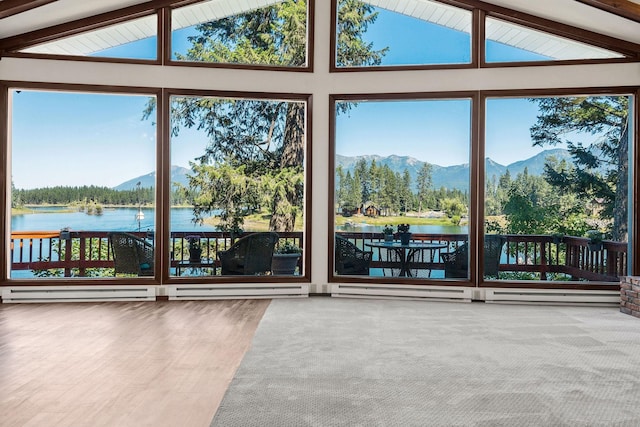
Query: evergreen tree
424, 185
264, 137
601, 169
364, 176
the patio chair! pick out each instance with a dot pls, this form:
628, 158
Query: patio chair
456, 263
131, 254
249, 255
351, 260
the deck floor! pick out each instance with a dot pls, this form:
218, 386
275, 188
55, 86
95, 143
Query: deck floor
121, 364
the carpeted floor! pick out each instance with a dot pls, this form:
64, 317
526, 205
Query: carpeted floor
349, 362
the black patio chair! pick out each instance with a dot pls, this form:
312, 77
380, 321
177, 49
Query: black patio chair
351, 260
131, 254
456, 263
249, 255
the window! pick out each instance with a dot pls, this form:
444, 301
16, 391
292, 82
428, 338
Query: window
556, 191
238, 33
238, 186
401, 164
401, 34
508, 42
135, 39
82, 166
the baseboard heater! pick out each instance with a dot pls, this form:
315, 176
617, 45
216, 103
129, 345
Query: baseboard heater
237, 291
93, 293
553, 296
439, 293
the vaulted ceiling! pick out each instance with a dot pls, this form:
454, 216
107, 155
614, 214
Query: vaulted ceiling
616, 18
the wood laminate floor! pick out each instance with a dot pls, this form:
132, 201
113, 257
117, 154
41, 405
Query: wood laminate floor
121, 364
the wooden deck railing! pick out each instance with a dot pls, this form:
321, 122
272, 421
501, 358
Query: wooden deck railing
84, 250
527, 253
539, 254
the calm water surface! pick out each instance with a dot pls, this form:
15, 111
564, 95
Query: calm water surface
112, 219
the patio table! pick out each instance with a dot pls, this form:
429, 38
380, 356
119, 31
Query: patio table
196, 267
407, 252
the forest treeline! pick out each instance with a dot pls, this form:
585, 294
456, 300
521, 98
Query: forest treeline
60, 195
390, 192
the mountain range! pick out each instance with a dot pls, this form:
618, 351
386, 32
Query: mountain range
455, 176
179, 175
450, 177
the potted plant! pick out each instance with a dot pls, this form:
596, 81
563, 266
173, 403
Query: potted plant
195, 248
557, 237
595, 240
65, 233
388, 233
403, 232
285, 259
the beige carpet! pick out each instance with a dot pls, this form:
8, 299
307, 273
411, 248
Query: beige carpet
341, 362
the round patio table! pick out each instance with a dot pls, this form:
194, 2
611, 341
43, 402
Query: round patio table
407, 252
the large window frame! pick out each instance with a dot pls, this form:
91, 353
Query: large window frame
166, 185
5, 205
163, 183
473, 96
631, 51
633, 194
396, 83
11, 46
478, 176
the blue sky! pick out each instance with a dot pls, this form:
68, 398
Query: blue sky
67, 147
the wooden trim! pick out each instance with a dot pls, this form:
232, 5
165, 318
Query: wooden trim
266, 96
634, 233
78, 87
418, 96
163, 186
308, 190
80, 58
62, 87
331, 210
629, 49
78, 26
306, 68
333, 68
634, 202
333, 49
476, 190
592, 91
5, 204
255, 67
625, 9
13, 7
477, 39
163, 36
311, 31
477, 177
9, 46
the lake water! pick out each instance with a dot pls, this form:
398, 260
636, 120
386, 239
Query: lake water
112, 219
124, 219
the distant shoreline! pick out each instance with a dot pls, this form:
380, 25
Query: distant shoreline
30, 209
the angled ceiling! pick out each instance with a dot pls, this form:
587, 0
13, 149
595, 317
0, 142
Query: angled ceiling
578, 13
